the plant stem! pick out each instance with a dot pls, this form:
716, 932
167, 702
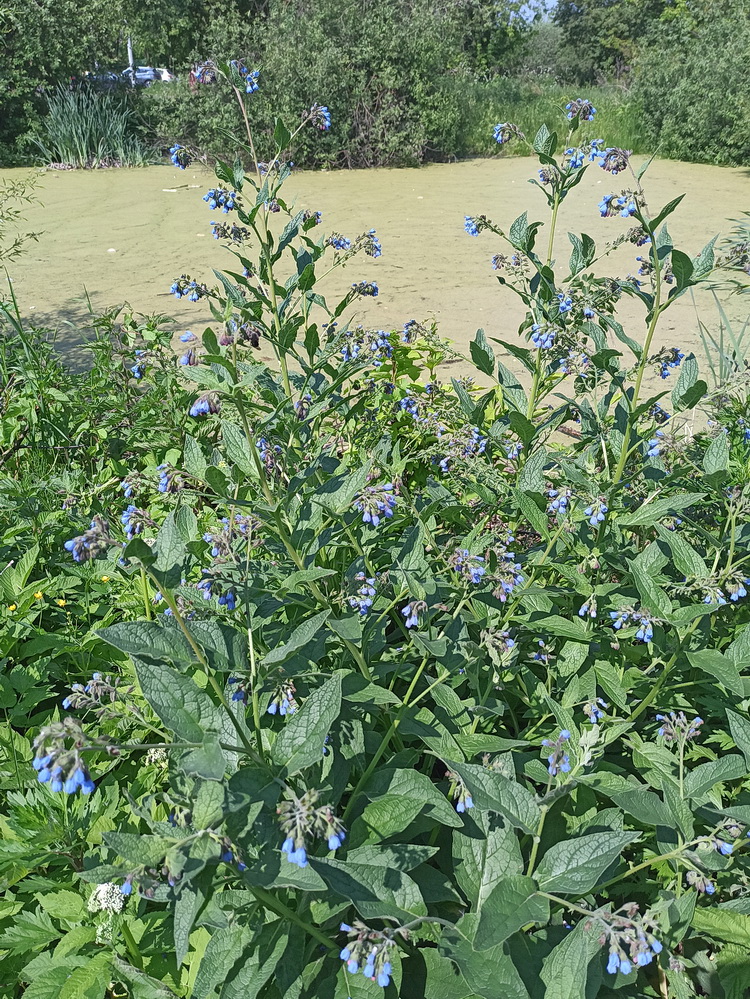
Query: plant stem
272, 903
132, 946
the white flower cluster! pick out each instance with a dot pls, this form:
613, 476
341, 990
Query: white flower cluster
106, 898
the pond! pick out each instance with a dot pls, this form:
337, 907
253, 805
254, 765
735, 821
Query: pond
124, 235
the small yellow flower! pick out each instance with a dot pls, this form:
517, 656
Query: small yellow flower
38, 595
105, 579
11, 607
60, 602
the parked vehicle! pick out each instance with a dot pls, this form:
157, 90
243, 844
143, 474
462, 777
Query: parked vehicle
143, 75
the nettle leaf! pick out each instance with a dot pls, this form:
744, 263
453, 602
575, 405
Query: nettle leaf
90, 981
490, 789
510, 905
28, 931
723, 925
183, 707
574, 866
704, 777
565, 971
302, 635
63, 905
300, 743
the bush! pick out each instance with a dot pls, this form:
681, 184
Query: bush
694, 104
434, 689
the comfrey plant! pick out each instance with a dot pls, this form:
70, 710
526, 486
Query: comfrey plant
444, 707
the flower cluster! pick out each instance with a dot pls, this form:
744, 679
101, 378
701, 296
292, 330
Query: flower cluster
614, 160
461, 794
543, 335
588, 608
169, 479
106, 897
180, 156
558, 501
627, 615
186, 287
320, 116
372, 346
596, 512
220, 197
508, 574
338, 242
466, 443
232, 232
676, 727
701, 883
92, 693
376, 502
362, 600
91, 543
630, 938
206, 403
471, 567
411, 612
56, 764
667, 359
282, 699
558, 760
300, 819
250, 77
594, 710
365, 288
625, 205
580, 110
369, 951
575, 363
221, 541
504, 131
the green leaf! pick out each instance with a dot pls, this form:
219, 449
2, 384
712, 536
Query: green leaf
652, 596
565, 970
237, 447
146, 986
702, 778
682, 268
28, 931
733, 966
574, 866
90, 981
375, 891
688, 390
207, 761
531, 478
181, 705
650, 512
686, 559
716, 458
152, 639
186, 908
218, 959
137, 849
281, 135
63, 905
739, 726
491, 974
50, 982
572, 628
170, 545
723, 925
482, 354
511, 904
256, 966
302, 635
714, 662
490, 789
300, 743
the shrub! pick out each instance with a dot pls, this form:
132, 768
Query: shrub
435, 689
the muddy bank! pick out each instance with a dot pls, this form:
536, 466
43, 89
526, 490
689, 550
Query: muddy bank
124, 235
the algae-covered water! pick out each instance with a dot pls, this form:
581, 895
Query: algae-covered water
124, 235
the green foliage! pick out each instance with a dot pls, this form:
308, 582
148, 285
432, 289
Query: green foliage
323, 703
85, 129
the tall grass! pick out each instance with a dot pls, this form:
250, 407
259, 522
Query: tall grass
88, 129
528, 104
